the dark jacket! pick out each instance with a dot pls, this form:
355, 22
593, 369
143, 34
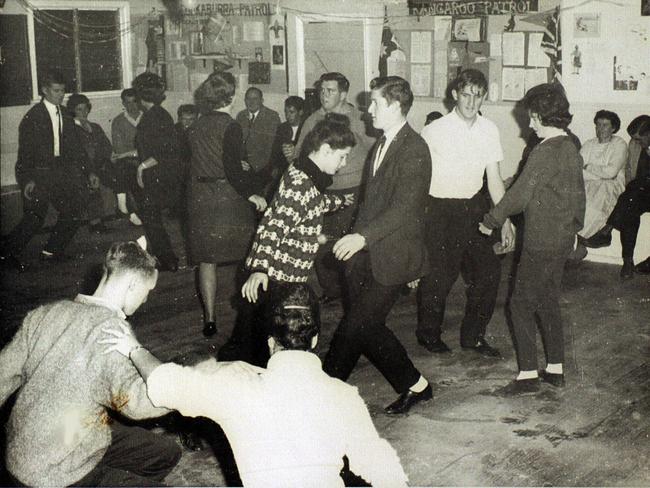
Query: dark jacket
391, 216
258, 137
35, 149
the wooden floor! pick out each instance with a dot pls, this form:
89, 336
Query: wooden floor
594, 432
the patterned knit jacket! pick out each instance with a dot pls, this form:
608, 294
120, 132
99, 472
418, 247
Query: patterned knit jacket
286, 240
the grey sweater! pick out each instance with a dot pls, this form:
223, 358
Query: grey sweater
59, 427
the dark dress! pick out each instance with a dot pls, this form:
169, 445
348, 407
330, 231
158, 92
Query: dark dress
222, 221
156, 137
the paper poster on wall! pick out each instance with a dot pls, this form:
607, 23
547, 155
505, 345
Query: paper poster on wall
442, 28
513, 82
513, 48
420, 47
253, 32
495, 44
396, 64
534, 77
536, 55
466, 29
421, 79
586, 25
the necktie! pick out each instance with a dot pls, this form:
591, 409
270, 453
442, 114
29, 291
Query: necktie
58, 116
252, 119
380, 147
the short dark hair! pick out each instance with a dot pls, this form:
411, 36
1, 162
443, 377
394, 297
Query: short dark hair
611, 116
639, 125
431, 116
216, 92
394, 88
75, 100
334, 130
296, 102
149, 87
549, 102
294, 316
186, 109
129, 256
470, 77
50, 78
128, 93
254, 89
342, 82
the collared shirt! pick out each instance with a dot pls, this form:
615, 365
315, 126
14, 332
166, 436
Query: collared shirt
288, 426
294, 131
57, 124
101, 302
134, 122
460, 154
389, 135
252, 116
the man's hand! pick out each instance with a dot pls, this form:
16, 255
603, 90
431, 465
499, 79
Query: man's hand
348, 245
288, 150
249, 290
93, 181
259, 202
28, 191
413, 284
121, 340
507, 236
245, 165
484, 230
139, 176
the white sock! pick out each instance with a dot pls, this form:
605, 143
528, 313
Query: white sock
420, 385
135, 220
527, 375
121, 203
554, 368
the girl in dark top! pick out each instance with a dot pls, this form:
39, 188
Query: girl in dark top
98, 149
158, 172
222, 198
551, 193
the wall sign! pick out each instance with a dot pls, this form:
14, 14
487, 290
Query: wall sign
470, 7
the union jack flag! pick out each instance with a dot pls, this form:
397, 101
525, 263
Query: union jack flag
552, 43
388, 45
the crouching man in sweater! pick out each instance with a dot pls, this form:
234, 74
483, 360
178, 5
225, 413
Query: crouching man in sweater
60, 432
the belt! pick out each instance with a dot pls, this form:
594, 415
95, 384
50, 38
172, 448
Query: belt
209, 179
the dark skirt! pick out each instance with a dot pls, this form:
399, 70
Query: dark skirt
222, 222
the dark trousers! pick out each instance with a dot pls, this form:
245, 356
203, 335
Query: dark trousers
364, 331
331, 271
455, 245
136, 457
66, 199
536, 296
626, 216
150, 213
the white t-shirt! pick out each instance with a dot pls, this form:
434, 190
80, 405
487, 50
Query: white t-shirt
460, 154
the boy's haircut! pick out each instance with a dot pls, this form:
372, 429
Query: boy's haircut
611, 116
296, 102
394, 88
294, 316
639, 125
334, 130
216, 92
77, 99
149, 87
128, 93
186, 109
549, 102
129, 256
50, 78
470, 77
254, 89
342, 82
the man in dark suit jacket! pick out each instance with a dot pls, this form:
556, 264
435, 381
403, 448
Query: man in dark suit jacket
285, 141
259, 125
386, 249
51, 169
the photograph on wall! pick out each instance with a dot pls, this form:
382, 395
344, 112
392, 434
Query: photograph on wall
259, 73
467, 29
625, 76
586, 25
277, 57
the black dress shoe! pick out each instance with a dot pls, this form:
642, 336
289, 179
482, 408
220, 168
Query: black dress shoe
406, 400
519, 387
643, 267
627, 271
435, 346
602, 238
554, 379
209, 329
484, 349
12, 262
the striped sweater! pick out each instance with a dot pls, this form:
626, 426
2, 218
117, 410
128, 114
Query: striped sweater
286, 240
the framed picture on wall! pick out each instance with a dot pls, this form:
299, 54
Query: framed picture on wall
586, 25
468, 29
259, 73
